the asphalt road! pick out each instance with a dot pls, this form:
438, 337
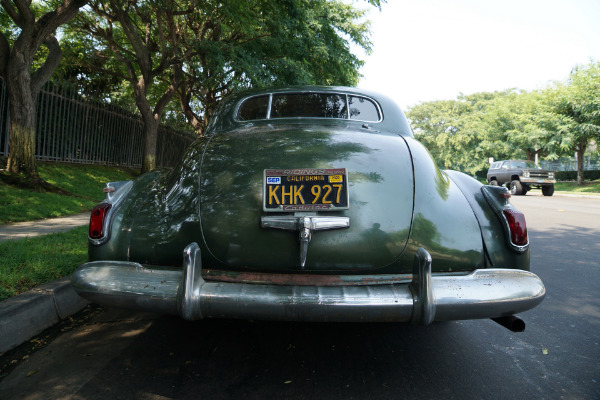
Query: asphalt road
122, 355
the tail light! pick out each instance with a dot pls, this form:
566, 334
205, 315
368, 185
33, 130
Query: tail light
103, 213
513, 220
516, 226
98, 219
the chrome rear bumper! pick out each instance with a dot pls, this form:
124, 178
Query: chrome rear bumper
484, 293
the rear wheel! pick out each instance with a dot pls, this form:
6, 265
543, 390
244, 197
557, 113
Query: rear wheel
548, 190
516, 188
494, 182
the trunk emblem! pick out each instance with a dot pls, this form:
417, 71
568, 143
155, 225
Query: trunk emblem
305, 225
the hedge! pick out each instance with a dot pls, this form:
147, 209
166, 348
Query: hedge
591, 175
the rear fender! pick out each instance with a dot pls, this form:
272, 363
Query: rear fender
443, 222
492, 230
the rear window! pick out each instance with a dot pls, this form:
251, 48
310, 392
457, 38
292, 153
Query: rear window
362, 109
309, 105
254, 108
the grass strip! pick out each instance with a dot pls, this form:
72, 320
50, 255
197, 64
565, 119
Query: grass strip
85, 182
587, 187
30, 262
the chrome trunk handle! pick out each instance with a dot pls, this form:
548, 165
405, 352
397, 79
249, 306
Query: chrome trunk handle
305, 225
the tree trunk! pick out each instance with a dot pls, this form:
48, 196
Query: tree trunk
580, 154
530, 154
22, 113
150, 141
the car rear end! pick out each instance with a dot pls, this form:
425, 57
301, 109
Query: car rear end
320, 220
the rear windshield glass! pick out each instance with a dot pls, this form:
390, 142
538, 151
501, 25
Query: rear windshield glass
524, 164
309, 105
315, 105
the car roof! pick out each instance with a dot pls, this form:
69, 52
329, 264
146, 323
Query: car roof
393, 119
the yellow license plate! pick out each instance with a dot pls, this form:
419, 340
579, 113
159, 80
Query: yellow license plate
308, 189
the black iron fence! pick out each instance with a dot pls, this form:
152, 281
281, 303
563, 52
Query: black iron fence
73, 129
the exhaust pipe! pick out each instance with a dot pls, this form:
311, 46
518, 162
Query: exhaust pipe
511, 323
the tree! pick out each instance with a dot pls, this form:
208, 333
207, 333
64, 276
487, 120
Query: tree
462, 134
17, 55
518, 124
578, 105
446, 128
241, 44
147, 38
200, 51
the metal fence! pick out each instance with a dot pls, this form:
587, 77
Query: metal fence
590, 163
73, 129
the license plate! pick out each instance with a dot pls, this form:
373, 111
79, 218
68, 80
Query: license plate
310, 189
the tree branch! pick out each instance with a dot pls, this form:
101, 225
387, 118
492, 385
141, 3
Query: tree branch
12, 13
140, 50
47, 23
43, 73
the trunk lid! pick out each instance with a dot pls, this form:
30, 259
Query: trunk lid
380, 185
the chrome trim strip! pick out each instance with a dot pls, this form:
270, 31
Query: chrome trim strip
483, 293
297, 222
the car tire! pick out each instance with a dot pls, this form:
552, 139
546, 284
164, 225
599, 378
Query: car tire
516, 188
548, 190
494, 182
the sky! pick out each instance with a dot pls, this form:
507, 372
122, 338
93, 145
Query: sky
425, 50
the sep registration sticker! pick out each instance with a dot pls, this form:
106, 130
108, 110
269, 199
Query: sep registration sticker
305, 189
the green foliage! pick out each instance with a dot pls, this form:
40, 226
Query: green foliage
211, 48
462, 134
30, 262
578, 104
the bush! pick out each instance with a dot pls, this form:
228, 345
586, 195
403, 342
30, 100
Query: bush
572, 175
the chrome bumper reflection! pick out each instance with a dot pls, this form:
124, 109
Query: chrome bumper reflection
483, 293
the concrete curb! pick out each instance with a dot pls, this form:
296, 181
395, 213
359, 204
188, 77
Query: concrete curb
28, 314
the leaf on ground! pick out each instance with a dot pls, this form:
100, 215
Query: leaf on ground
32, 372
545, 351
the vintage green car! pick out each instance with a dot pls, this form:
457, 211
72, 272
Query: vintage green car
310, 204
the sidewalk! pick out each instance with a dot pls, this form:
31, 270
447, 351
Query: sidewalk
28, 314
22, 230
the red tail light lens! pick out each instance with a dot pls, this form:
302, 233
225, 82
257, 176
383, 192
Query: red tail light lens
99, 214
517, 226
